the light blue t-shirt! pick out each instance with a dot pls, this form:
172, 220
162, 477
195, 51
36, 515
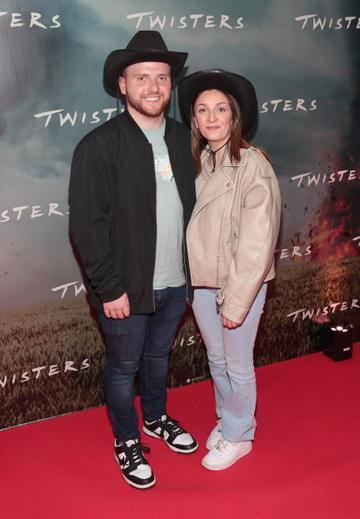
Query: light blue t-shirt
169, 270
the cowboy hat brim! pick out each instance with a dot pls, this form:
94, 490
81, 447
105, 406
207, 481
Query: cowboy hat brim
238, 86
119, 59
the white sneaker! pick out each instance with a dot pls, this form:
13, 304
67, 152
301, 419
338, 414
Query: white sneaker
214, 436
225, 454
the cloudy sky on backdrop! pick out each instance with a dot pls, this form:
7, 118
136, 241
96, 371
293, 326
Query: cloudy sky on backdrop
60, 68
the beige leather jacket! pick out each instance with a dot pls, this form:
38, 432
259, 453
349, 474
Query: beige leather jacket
233, 231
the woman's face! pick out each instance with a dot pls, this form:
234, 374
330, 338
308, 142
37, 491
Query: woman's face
213, 117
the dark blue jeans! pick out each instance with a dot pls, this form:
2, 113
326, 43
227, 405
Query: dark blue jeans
140, 344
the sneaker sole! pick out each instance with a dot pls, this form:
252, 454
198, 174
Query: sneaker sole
131, 483
226, 465
172, 447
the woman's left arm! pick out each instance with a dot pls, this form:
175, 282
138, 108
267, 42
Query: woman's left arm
259, 209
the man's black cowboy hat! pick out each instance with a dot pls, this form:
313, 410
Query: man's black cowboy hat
144, 46
238, 86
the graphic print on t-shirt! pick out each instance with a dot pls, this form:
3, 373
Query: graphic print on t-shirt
163, 167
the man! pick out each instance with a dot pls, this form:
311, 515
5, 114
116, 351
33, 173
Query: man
131, 196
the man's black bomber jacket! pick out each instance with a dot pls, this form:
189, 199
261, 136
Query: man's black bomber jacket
112, 198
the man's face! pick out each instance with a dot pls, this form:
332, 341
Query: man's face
147, 87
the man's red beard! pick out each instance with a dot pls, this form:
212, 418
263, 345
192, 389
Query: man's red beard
146, 108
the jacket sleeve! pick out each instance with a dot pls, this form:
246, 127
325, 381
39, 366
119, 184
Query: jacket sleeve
90, 213
256, 235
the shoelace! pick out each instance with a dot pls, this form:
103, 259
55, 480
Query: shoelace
221, 445
135, 453
173, 426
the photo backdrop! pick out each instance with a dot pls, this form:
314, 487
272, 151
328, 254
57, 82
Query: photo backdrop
303, 58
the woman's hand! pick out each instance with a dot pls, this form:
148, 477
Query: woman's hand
228, 324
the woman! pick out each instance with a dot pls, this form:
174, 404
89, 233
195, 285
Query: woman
231, 239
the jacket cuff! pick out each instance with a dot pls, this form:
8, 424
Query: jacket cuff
111, 295
234, 313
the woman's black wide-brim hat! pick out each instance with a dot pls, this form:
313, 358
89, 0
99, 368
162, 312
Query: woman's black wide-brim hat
144, 46
238, 86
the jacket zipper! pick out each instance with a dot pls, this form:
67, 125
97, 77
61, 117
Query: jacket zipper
152, 291
216, 195
187, 278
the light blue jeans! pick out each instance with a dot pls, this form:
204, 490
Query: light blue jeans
231, 363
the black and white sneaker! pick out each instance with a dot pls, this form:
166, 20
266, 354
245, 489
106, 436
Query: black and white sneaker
175, 437
135, 469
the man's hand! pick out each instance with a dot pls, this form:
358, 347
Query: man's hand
228, 324
118, 309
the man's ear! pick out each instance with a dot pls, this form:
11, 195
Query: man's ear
122, 85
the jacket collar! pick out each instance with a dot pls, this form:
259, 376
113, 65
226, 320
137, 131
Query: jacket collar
221, 181
227, 170
168, 123
226, 162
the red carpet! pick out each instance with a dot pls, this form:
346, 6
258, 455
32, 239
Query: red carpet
305, 462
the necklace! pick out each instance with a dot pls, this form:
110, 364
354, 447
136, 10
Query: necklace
213, 153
